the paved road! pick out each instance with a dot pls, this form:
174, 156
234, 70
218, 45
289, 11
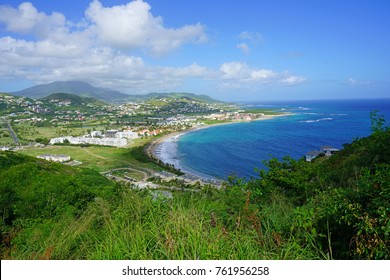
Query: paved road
11, 131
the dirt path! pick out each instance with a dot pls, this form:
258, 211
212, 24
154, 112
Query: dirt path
145, 175
92, 154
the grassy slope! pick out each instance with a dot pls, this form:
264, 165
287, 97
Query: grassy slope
98, 158
76, 214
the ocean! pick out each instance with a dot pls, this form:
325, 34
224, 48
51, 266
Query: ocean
241, 148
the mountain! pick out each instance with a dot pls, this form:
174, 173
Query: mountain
73, 87
75, 99
107, 95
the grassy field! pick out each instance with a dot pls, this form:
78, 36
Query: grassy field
5, 137
95, 157
31, 132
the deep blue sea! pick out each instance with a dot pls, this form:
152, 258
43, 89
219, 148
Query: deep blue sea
239, 148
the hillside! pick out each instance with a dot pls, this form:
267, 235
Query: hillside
174, 95
107, 95
75, 99
72, 87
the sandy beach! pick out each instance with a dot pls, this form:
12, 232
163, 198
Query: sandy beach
152, 148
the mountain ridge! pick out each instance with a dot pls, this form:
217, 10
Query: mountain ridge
84, 89
72, 87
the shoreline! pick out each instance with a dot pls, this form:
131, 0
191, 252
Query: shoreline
151, 148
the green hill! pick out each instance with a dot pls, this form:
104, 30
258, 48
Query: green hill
174, 95
75, 99
104, 94
73, 87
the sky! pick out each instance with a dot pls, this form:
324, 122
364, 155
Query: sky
247, 50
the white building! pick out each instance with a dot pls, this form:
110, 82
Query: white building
60, 140
128, 134
96, 133
55, 158
110, 133
106, 141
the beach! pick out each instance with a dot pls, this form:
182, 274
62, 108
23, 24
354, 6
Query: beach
163, 147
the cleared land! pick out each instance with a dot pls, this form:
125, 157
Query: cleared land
100, 158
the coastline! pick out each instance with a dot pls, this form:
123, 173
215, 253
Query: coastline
151, 148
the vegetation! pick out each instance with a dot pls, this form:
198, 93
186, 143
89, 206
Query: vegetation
336, 208
74, 99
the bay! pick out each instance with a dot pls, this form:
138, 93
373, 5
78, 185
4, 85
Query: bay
239, 148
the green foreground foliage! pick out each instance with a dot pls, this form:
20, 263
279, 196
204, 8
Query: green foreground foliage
335, 208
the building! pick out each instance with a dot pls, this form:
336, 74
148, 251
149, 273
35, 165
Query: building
60, 140
311, 155
105, 141
111, 133
55, 158
96, 133
328, 150
128, 134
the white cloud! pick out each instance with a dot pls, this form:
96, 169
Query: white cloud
253, 37
27, 20
241, 73
244, 47
234, 70
293, 80
98, 50
133, 26
262, 74
248, 40
355, 82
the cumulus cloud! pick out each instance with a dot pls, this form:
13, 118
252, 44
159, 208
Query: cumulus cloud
27, 20
293, 80
133, 26
240, 73
99, 50
96, 49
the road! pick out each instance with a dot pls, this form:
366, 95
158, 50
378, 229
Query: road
144, 174
13, 135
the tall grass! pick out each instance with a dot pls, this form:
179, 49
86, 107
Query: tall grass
188, 226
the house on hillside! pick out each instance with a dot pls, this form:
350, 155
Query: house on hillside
311, 155
328, 150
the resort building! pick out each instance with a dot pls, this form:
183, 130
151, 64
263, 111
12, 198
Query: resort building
96, 133
111, 133
106, 141
128, 134
55, 158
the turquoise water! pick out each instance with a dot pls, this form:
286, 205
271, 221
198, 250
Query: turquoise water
239, 148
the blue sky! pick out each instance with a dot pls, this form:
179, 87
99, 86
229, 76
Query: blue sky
231, 50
